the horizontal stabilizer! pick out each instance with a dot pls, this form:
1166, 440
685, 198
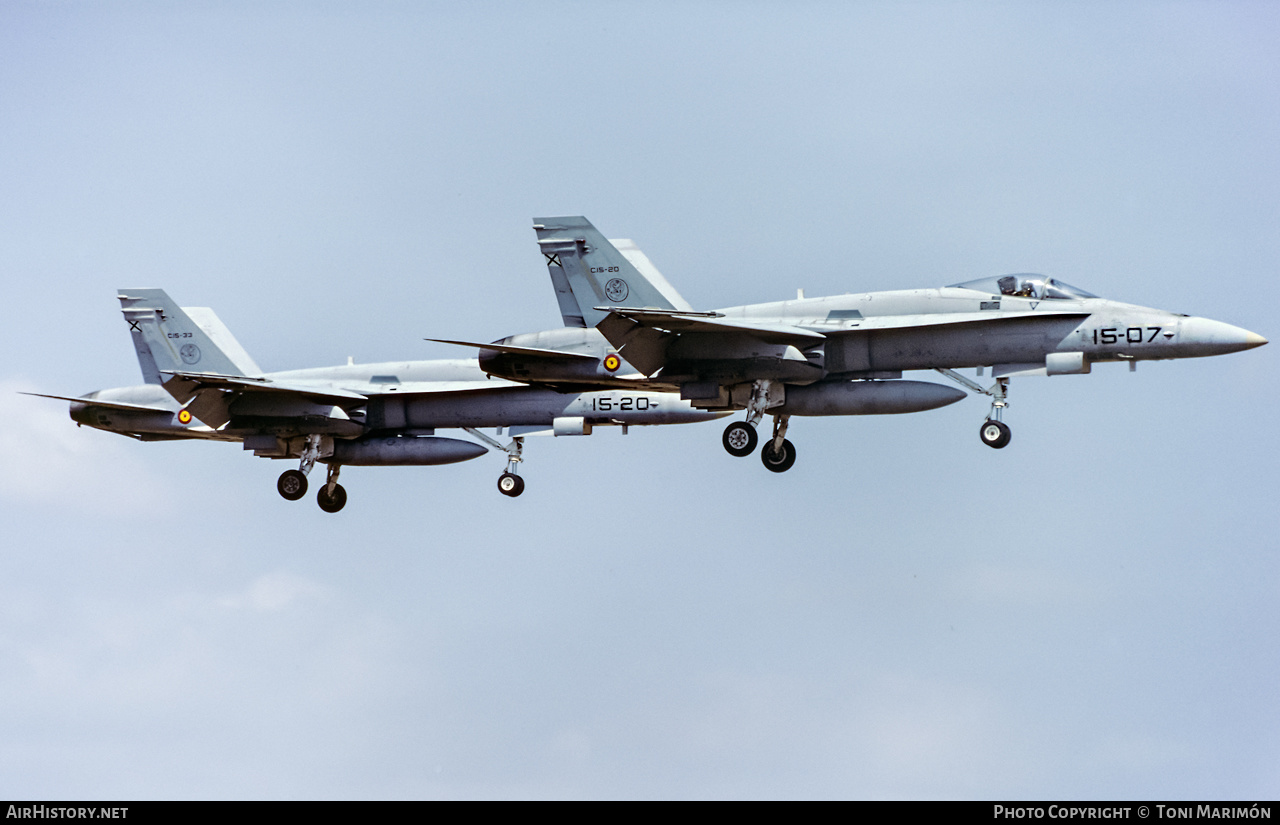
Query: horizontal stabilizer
114, 405
660, 313
532, 352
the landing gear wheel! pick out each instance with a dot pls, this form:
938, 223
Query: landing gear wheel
510, 484
740, 439
995, 434
780, 461
292, 485
331, 503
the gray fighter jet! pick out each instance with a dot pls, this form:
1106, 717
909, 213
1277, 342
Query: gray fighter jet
201, 384
840, 355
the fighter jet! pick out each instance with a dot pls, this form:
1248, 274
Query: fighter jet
201, 384
839, 355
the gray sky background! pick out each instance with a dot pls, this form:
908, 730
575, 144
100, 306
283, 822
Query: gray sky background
1089, 613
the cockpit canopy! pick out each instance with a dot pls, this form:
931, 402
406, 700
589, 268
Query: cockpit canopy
1026, 285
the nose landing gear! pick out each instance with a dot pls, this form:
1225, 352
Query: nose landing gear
509, 483
994, 432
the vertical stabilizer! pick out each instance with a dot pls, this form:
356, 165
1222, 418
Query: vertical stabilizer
646, 268
167, 339
222, 338
595, 273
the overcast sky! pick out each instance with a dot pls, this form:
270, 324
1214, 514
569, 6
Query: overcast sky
1088, 613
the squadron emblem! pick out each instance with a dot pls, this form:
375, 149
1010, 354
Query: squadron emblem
616, 290
190, 353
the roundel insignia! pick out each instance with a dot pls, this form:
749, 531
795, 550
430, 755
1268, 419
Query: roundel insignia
612, 362
616, 290
184, 416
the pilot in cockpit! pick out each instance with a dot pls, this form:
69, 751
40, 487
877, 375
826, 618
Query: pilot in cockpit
1027, 285
1028, 288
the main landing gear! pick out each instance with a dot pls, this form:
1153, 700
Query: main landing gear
292, 484
509, 483
740, 439
778, 454
332, 497
993, 432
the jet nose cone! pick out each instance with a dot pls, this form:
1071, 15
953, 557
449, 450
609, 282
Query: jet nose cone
1216, 338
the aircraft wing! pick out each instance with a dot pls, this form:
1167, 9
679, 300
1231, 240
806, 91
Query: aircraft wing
682, 323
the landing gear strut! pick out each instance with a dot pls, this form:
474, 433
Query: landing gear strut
292, 484
332, 497
994, 432
509, 483
778, 454
740, 437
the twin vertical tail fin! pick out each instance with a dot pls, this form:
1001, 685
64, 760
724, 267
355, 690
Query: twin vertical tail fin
169, 338
589, 271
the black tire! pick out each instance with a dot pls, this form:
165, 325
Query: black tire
510, 484
995, 434
292, 485
780, 461
331, 503
740, 439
